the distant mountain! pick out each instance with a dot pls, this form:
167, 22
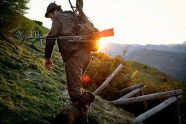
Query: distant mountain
113, 49
173, 64
170, 59
184, 43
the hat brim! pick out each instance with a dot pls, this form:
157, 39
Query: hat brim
47, 13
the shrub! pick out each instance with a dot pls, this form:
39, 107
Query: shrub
98, 71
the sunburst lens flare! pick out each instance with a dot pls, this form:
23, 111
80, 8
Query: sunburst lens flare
104, 41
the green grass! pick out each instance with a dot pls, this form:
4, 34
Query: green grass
29, 93
108, 114
153, 79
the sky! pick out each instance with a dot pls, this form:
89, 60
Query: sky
134, 21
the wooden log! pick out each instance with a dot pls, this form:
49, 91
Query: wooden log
132, 93
178, 111
154, 110
146, 97
106, 82
144, 102
132, 87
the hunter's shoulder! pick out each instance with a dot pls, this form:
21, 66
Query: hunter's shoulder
67, 12
64, 15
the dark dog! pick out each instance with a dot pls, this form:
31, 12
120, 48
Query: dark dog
76, 113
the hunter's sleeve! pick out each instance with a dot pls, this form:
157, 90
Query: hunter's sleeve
54, 32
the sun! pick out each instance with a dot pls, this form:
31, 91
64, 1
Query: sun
103, 42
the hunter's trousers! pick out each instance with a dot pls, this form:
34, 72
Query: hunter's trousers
75, 66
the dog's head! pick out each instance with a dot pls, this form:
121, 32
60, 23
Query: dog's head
87, 98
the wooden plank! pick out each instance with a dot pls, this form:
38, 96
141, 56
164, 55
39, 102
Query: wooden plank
132, 87
106, 82
154, 110
146, 97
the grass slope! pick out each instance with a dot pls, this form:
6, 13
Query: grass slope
155, 80
29, 93
171, 63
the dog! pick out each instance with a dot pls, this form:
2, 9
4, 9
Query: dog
76, 113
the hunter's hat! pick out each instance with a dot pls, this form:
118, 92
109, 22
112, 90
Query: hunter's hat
51, 7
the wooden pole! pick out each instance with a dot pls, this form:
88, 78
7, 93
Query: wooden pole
146, 97
178, 111
154, 110
35, 33
106, 82
132, 87
20, 35
132, 93
144, 102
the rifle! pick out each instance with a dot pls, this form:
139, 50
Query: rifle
82, 38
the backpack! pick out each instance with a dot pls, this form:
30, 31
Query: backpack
84, 27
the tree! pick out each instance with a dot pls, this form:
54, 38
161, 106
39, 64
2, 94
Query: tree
9, 11
7, 6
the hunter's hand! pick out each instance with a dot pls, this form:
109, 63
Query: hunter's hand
48, 63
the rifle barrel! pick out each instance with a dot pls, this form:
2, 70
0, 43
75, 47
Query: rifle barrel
81, 38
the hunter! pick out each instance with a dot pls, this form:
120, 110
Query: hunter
75, 56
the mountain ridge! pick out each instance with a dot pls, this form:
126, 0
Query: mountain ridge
153, 55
